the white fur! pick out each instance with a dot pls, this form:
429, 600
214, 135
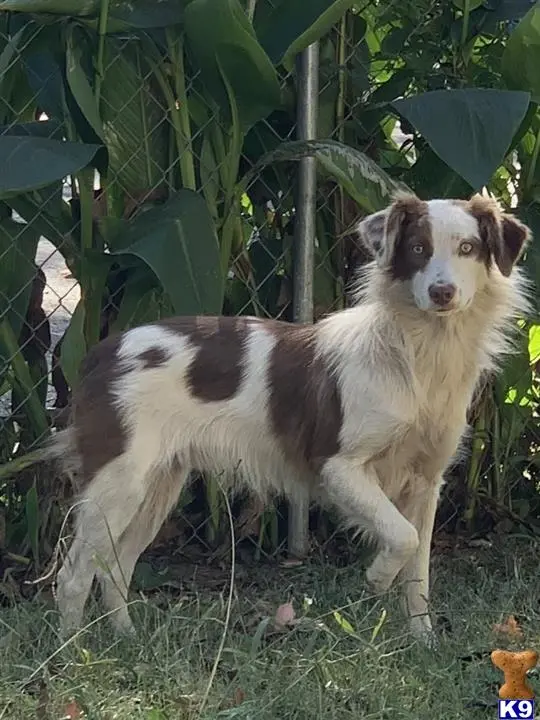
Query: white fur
406, 377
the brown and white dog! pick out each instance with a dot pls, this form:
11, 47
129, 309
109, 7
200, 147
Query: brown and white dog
367, 406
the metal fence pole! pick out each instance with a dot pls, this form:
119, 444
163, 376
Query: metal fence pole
304, 246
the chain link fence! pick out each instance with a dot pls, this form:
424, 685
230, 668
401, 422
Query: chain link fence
165, 130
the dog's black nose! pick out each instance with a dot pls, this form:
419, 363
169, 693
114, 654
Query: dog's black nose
442, 294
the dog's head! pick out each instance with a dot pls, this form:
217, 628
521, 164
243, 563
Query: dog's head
444, 250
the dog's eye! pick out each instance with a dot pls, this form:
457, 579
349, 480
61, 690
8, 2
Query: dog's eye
418, 249
465, 248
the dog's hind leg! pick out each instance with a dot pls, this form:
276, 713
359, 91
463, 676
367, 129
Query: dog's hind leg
164, 489
355, 490
111, 500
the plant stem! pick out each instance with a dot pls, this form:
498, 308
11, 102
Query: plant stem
180, 109
342, 77
250, 10
90, 295
102, 32
146, 133
529, 180
465, 23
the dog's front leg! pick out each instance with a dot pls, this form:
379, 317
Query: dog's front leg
354, 488
415, 574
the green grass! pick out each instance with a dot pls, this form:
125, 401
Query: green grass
359, 669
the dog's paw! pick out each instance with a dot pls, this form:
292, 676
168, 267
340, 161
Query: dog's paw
422, 631
379, 582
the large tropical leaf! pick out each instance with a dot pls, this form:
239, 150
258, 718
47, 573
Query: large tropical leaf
56, 7
122, 13
295, 24
134, 121
42, 62
223, 43
521, 58
177, 241
53, 220
77, 79
43, 129
143, 14
44, 209
29, 163
82, 331
471, 130
18, 244
17, 99
73, 350
368, 184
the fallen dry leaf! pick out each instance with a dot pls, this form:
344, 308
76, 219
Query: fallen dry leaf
285, 616
72, 711
291, 562
509, 627
237, 699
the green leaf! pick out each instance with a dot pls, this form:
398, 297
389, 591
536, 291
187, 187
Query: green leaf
18, 244
295, 24
43, 129
534, 343
177, 241
58, 7
264, 253
78, 81
135, 132
473, 4
10, 352
122, 13
73, 350
42, 60
142, 14
343, 623
521, 57
378, 626
29, 163
221, 36
12, 78
471, 130
368, 184
209, 170
54, 223
137, 297
146, 577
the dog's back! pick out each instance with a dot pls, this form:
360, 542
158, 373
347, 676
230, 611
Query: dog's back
368, 405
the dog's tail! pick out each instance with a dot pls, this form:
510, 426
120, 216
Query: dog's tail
60, 449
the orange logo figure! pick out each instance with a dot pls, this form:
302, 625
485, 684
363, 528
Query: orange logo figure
514, 666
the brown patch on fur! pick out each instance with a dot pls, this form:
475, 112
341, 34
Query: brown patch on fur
516, 237
153, 358
99, 433
305, 404
503, 236
408, 224
216, 371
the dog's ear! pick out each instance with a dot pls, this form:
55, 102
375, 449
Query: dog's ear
515, 238
504, 235
381, 231
372, 231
